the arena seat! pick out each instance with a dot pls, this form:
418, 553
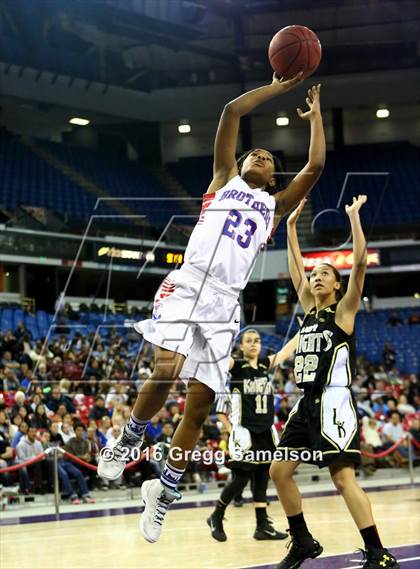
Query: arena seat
371, 327
372, 332
397, 203
28, 179
392, 200
121, 179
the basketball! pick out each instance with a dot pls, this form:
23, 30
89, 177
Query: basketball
294, 49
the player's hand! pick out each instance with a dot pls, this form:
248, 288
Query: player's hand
284, 85
356, 205
313, 100
294, 216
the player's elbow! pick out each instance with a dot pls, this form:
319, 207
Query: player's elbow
365, 261
230, 109
316, 166
360, 263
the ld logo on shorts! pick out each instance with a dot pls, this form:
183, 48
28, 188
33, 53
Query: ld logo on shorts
339, 425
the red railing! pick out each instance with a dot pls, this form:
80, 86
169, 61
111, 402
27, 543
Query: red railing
385, 452
72, 457
131, 464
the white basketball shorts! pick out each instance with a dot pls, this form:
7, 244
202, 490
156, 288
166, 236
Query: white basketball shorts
197, 319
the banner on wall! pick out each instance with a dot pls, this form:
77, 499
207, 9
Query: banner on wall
342, 259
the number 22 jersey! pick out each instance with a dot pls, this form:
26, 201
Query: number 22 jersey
325, 354
234, 225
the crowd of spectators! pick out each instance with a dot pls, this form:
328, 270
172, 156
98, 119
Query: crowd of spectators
77, 394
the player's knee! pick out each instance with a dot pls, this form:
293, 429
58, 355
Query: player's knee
278, 473
340, 482
343, 477
196, 416
167, 366
163, 375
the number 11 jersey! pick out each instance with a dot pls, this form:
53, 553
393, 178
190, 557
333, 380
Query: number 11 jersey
234, 225
252, 396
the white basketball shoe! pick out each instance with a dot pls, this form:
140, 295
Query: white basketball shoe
112, 461
157, 499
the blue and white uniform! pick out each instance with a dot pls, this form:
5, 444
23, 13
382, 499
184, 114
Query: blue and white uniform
196, 310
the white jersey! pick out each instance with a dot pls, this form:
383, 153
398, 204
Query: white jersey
234, 225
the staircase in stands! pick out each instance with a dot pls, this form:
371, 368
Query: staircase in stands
83, 181
190, 205
304, 225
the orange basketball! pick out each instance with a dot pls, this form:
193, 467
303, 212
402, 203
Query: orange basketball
294, 49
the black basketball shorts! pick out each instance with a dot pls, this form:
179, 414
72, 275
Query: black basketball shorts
262, 451
324, 422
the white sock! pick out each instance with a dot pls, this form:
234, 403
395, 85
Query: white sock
171, 476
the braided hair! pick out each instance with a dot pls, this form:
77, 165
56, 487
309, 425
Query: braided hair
278, 172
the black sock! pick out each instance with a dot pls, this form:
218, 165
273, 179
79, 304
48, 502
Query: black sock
261, 515
220, 507
297, 526
371, 537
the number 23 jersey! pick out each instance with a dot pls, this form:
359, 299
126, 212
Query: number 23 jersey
325, 354
234, 225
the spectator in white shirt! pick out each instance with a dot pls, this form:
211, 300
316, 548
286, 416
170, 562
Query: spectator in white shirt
393, 432
403, 406
27, 448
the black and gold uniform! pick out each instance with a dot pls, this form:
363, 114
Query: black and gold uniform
252, 407
325, 418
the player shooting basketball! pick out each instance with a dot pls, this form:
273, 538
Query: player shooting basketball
196, 311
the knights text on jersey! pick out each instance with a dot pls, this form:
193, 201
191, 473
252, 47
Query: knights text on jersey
252, 396
325, 354
234, 225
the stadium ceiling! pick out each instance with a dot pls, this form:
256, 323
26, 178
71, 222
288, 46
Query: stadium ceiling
148, 45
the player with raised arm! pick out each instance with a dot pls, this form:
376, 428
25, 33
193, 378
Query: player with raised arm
196, 312
325, 419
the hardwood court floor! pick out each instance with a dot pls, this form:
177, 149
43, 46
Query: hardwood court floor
115, 543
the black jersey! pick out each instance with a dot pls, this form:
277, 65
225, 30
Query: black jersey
252, 397
325, 354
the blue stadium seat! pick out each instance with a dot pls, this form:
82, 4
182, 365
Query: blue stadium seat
121, 179
28, 179
372, 333
396, 203
392, 200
